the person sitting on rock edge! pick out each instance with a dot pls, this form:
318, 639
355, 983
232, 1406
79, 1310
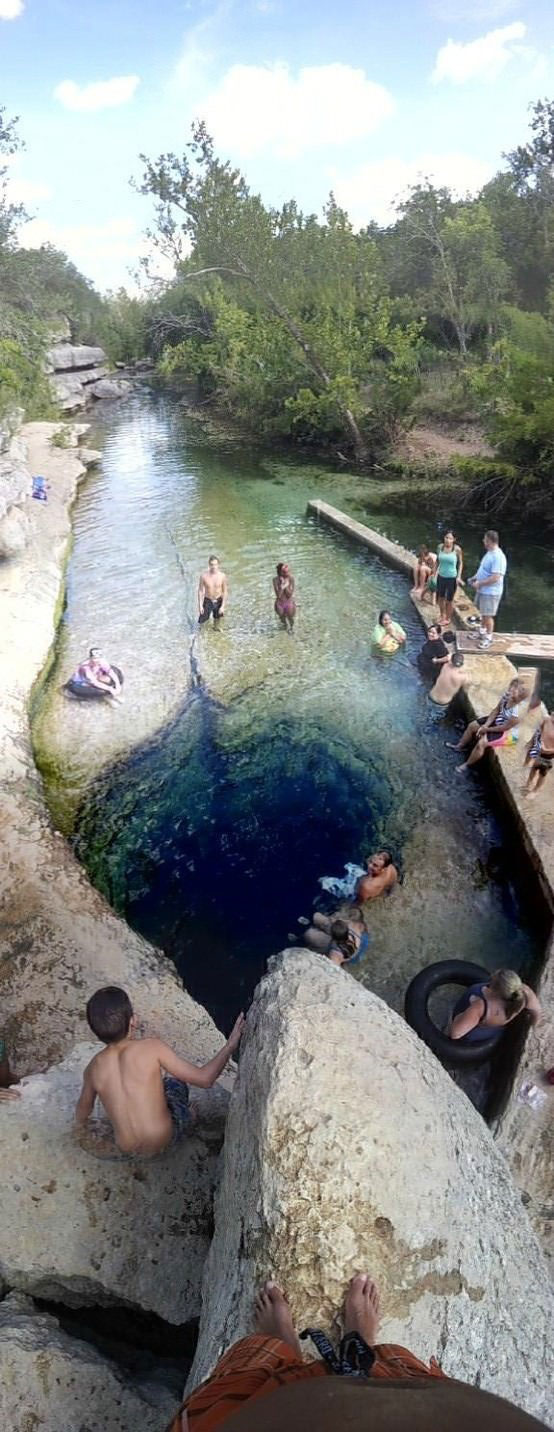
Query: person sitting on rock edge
141, 1083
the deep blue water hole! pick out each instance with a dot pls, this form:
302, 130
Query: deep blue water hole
214, 854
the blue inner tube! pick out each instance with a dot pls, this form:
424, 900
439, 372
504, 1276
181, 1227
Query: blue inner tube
83, 689
453, 1052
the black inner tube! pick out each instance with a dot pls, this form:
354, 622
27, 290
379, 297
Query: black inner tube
453, 1052
90, 692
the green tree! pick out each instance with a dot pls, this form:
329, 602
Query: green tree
281, 271
468, 276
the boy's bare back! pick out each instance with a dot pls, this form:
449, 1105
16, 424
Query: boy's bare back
128, 1081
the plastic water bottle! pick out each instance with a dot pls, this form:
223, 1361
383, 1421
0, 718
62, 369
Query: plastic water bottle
533, 1096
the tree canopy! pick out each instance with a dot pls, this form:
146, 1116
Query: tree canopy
302, 328
37, 287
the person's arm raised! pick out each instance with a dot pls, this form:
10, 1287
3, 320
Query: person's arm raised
203, 1075
467, 1021
534, 1009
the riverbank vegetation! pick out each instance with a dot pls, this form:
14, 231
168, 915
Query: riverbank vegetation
299, 328
38, 288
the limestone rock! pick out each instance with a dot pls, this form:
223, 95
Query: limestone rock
69, 392
348, 1147
527, 1137
90, 456
14, 533
111, 388
51, 1381
65, 356
86, 1230
15, 477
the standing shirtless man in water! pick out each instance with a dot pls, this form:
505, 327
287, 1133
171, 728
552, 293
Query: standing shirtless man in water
212, 592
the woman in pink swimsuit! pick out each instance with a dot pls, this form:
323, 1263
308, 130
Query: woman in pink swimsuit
283, 586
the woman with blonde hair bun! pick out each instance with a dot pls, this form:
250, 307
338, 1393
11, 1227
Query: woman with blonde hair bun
484, 1010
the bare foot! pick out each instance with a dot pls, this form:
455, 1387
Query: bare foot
451, 747
460, 768
530, 795
362, 1308
273, 1316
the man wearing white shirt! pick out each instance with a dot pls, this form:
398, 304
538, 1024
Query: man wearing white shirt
489, 585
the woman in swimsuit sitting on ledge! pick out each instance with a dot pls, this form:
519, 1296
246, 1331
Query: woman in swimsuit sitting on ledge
540, 756
484, 1010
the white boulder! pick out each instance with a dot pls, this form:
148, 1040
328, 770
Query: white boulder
87, 1230
56, 1383
111, 388
348, 1147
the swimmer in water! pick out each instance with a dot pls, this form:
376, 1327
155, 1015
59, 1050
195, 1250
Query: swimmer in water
388, 635
450, 680
283, 586
213, 590
381, 876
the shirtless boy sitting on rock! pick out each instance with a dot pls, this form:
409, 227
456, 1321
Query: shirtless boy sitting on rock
212, 592
142, 1083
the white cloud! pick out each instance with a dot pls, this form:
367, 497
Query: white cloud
10, 9
101, 94
373, 190
19, 189
259, 108
484, 58
104, 252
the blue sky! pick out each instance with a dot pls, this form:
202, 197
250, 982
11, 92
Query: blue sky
360, 96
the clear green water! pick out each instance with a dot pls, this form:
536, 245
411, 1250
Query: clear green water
292, 756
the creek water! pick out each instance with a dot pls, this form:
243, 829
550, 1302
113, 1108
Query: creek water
288, 756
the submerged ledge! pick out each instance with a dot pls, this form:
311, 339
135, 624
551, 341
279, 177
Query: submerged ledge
59, 937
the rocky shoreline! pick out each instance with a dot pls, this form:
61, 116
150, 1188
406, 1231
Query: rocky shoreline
73, 1227
315, 1124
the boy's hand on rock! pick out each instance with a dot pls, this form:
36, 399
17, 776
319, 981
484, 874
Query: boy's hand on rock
6, 1094
236, 1033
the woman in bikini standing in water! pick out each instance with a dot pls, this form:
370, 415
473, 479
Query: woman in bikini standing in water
283, 586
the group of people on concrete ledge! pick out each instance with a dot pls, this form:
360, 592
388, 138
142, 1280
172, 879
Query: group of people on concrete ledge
438, 575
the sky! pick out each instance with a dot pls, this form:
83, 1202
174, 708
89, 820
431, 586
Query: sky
359, 96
